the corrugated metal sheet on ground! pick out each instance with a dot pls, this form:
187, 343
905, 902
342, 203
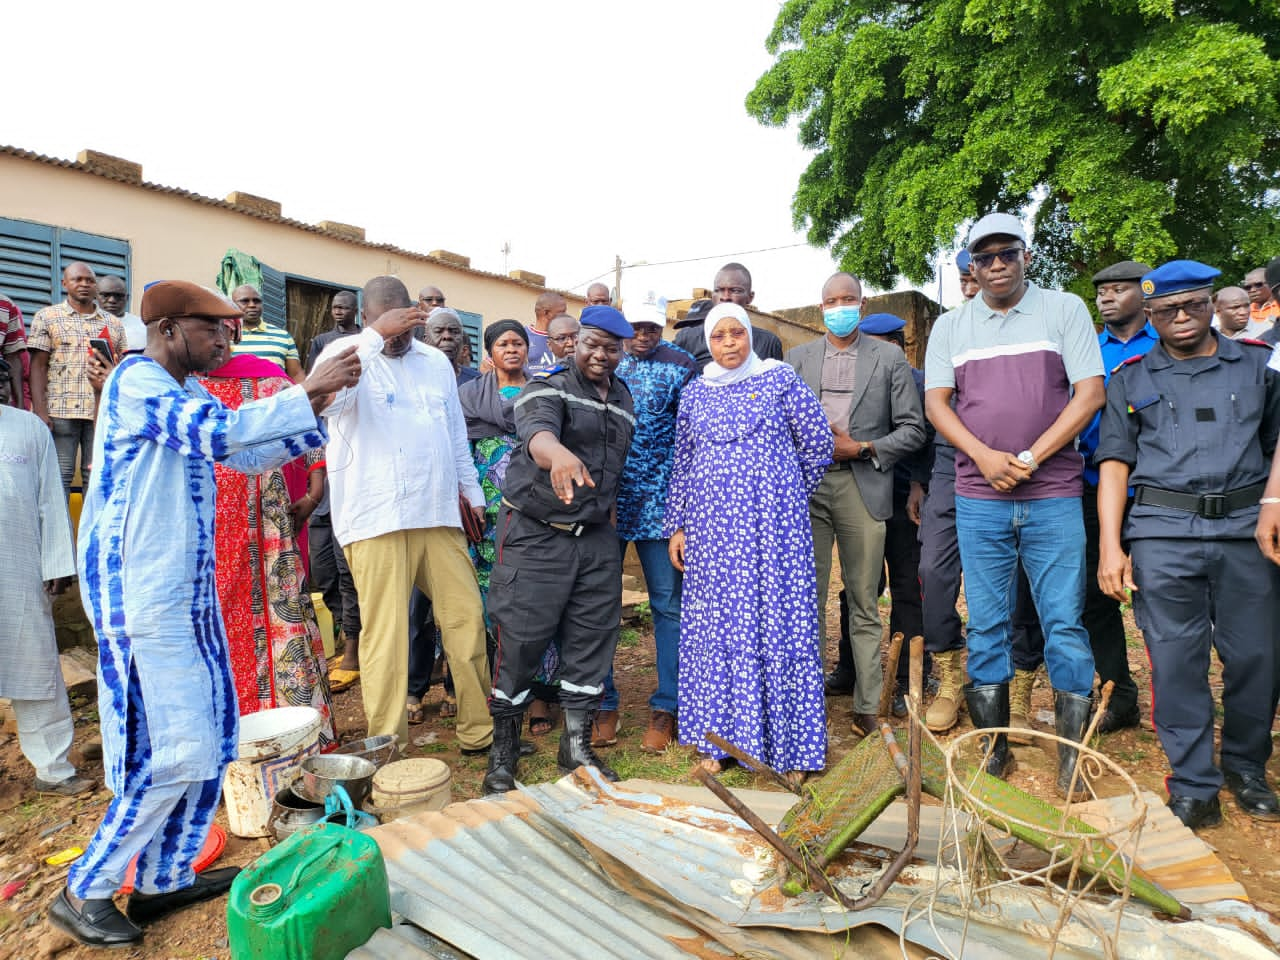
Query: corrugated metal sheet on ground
530, 876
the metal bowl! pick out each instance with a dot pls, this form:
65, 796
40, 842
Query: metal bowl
319, 775
378, 750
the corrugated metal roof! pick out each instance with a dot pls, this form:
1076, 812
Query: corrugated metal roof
19, 153
563, 871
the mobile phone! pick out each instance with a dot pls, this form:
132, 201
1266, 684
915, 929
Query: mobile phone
103, 349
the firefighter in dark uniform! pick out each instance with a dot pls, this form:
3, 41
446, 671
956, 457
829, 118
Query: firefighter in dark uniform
558, 570
1192, 426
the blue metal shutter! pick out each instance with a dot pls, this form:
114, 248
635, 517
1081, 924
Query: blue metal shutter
472, 325
105, 254
27, 274
33, 256
273, 296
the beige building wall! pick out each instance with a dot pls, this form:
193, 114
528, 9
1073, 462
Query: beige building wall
175, 237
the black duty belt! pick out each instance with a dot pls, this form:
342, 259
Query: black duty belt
573, 529
1211, 506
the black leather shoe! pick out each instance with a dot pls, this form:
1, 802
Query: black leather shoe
1113, 720
149, 907
1194, 813
97, 923
839, 681
1254, 796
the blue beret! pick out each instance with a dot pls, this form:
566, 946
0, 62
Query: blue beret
881, 323
1177, 276
964, 260
607, 318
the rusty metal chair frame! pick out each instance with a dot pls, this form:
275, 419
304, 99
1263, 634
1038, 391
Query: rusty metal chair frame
908, 768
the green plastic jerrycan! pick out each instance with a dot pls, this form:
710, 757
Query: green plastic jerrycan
317, 896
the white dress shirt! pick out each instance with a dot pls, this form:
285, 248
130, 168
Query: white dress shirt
398, 454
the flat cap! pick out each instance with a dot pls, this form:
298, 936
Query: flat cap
1177, 276
964, 261
881, 323
1133, 270
698, 311
607, 318
996, 225
181, 298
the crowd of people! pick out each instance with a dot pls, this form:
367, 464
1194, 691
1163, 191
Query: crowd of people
477, 520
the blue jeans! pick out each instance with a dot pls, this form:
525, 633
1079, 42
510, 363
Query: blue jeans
664, 582
1048, 537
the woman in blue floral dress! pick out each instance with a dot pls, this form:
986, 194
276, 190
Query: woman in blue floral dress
752, 444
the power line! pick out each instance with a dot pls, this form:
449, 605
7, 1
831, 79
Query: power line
667, 263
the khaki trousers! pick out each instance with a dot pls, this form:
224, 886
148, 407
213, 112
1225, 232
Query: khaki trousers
838, 514
385, 569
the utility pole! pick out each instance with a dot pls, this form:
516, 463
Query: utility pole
617, 279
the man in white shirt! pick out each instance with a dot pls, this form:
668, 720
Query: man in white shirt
398, 464
113, 298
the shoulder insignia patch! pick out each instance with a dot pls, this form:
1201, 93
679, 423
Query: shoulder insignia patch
1255, 343
1124, 363
543, 374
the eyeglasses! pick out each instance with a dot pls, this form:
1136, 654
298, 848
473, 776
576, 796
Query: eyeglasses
431, 299
1007, 255
1253, 286
1192, 308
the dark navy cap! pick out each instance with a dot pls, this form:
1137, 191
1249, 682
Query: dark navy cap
881, 323
964, 260
1177, 276
1124, 270
607, 318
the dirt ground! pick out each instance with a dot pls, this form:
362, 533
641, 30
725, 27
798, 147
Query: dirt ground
32, 828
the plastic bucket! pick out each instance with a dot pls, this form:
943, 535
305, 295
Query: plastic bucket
407, 787
273, 744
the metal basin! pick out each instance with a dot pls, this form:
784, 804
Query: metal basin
290, 813
320, 774
378, 750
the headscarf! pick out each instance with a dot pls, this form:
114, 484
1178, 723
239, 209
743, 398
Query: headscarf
487, 412
716, 375
495, 330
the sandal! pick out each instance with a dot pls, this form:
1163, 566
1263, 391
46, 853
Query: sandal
340, 679
540, 720
448, 706
417, 712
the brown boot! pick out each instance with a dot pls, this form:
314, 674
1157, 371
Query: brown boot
945, 709
662, 730
1020, 688
604, 729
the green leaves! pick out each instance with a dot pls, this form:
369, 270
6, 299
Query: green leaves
1147, 129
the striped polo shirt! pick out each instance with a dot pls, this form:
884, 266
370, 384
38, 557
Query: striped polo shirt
267, 343
1012, 375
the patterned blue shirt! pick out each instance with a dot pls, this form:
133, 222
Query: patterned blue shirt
1114, 352
655, 382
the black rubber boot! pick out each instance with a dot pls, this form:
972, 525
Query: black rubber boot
575, 744
989, 707
1070, 717
504, 754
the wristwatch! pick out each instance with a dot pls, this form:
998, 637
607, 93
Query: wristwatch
864, 450
1029, 458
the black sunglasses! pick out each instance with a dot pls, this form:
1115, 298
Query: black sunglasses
1007, 255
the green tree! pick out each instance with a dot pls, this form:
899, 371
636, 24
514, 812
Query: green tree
1146, 129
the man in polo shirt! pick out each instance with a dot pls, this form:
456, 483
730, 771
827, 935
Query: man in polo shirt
61, 394
1263, 308
261, 339
1125, 334
1025, 370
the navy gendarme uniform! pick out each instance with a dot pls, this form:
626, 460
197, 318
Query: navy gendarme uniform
1198, 435
558, 569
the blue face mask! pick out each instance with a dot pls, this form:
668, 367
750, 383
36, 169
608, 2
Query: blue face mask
841, 321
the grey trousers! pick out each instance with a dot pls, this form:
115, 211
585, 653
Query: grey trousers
45, 732
840, 518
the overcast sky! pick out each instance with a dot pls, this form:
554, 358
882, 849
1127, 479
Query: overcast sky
572, 131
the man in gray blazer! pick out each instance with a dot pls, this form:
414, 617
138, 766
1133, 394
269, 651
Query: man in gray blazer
870, 398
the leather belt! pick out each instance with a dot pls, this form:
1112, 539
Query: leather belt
573, 529
1210, 506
